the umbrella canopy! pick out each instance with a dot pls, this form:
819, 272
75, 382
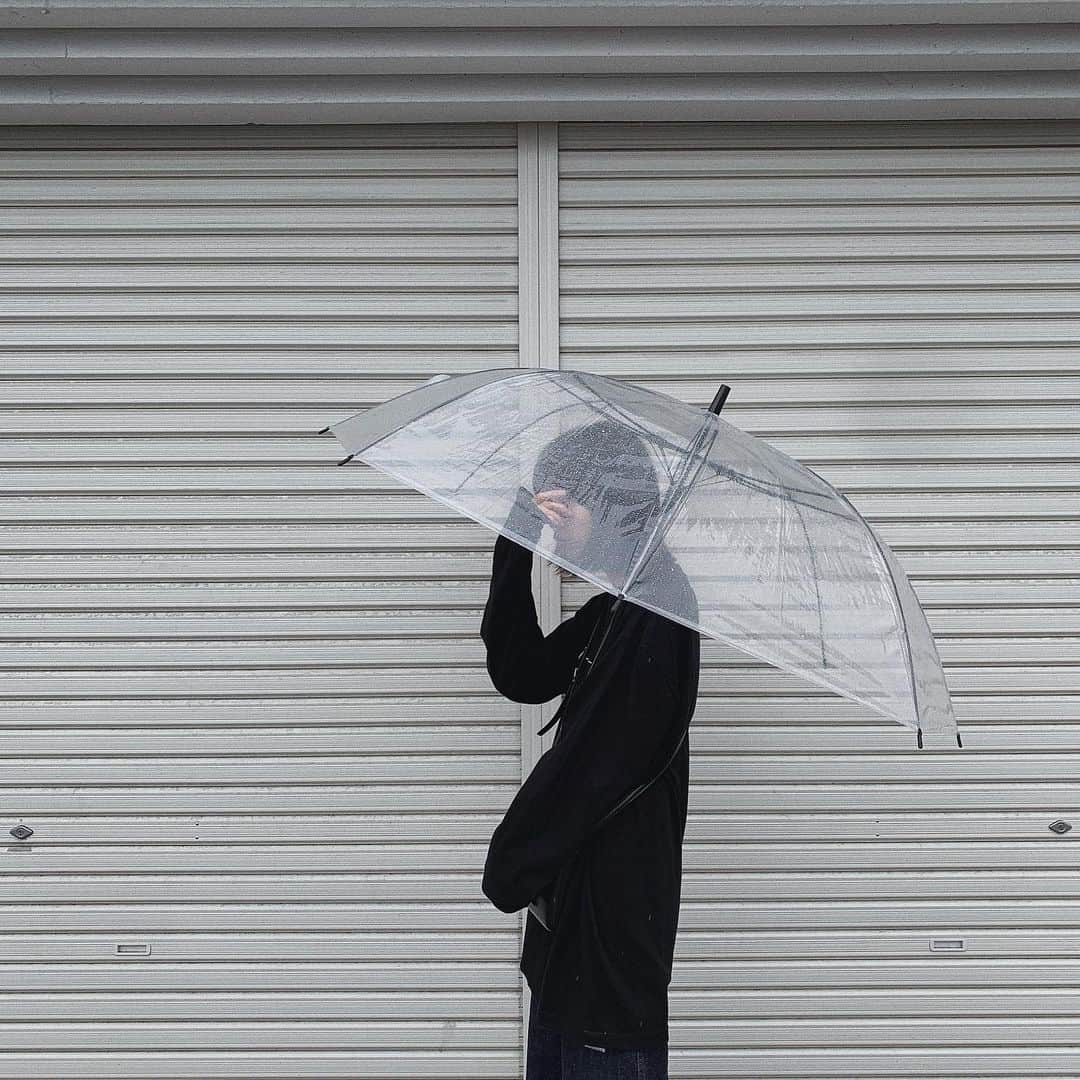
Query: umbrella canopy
781, 565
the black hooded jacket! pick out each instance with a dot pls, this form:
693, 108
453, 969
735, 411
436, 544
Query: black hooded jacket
602, 974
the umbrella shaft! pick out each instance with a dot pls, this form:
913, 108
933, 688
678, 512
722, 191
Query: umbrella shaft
603, 626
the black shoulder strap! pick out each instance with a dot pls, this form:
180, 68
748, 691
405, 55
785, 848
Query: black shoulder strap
627, 799
586, 658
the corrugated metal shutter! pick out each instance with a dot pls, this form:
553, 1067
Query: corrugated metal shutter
244, 707
899, 313
314, 62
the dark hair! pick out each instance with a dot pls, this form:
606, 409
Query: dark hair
597, 460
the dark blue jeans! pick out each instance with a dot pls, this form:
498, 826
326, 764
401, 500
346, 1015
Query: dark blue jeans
551, 1057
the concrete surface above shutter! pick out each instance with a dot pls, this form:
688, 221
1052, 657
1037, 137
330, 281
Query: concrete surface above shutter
500, 60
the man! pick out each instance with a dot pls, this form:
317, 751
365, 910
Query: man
599, 971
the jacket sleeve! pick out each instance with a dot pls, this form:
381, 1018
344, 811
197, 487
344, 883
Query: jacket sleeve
524, 665
599, 758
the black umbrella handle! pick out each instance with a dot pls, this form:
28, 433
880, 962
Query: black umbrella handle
720, 398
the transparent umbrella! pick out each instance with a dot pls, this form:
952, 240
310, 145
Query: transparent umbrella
779, 564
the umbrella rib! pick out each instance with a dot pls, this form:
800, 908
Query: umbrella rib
730, 473
814, 576
636, 426
905, 638
593, 405
631, 421
655, 437
487, 457
764, 486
